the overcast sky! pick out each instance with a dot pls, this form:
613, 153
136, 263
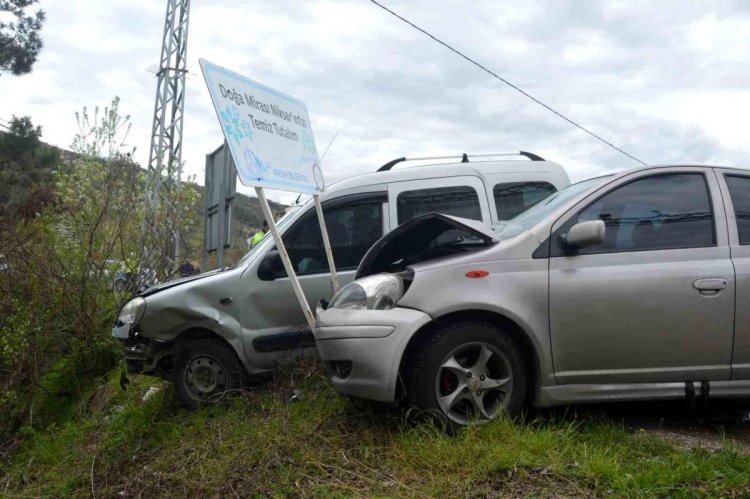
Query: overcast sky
666, 81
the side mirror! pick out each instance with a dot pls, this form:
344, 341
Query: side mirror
271, 267
585, 234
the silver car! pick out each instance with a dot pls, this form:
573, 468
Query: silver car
623, 287
208, 332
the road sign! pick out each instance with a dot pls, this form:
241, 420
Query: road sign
270, 137
221, 181
268, 132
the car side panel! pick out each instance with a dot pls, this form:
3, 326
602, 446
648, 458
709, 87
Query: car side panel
741, 260
271, 308
515, 288
636, 316
741, 352
197, 305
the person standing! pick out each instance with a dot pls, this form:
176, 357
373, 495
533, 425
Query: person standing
258, 236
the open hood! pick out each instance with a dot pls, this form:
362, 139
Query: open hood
423, 238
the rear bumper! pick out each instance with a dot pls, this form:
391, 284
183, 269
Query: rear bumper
362, 349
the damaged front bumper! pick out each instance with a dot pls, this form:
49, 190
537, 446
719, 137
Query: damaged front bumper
144, 355
362, 349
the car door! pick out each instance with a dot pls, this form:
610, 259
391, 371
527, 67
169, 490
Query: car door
354, 223
736, 189
653, 302
462, 196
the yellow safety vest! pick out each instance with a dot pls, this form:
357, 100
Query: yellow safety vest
257, 237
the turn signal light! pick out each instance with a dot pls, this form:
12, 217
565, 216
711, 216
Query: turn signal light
476, 274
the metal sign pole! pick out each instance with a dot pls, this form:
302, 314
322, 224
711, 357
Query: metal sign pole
327, 245
309, 317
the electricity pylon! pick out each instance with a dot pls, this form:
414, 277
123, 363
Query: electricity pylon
165, 156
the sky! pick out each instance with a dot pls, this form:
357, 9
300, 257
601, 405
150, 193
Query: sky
667, 81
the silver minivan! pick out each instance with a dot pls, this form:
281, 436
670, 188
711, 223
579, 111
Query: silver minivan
624, 287
208, 332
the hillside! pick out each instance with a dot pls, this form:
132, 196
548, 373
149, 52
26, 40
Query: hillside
26, 179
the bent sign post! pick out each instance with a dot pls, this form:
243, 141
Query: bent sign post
269, 135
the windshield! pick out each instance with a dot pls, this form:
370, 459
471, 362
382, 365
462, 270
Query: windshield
280, 224
539, 212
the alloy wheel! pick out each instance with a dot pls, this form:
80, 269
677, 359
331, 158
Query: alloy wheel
474, 382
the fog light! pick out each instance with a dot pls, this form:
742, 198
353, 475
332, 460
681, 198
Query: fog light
341, 368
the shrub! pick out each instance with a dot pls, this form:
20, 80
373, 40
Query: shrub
58, 299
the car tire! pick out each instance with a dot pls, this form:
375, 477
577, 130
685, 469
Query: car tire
206, 371
467, 371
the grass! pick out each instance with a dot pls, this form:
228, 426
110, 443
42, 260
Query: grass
261, 444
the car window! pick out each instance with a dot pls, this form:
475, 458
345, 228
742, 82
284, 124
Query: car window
739, 190
666, 211
513, 198
352, 229
543, 209
280, 225
460, 201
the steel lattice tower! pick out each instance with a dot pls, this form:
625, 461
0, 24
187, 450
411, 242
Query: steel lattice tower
165, 156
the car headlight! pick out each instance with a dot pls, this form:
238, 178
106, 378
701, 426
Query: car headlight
132, 312
375, 292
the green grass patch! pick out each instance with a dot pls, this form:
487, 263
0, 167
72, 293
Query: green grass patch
259, 443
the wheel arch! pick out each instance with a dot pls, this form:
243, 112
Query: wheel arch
517, 332
194, 332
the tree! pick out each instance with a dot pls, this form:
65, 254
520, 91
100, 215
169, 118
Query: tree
19, 40
23, 137
26, 168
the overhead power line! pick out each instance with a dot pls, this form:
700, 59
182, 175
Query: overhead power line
511, 85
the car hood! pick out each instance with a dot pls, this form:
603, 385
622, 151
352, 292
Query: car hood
410, 242
170, 284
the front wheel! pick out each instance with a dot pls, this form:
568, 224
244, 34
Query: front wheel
467, 371
206, 371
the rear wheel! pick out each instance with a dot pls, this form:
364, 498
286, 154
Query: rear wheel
468, 371
206, 371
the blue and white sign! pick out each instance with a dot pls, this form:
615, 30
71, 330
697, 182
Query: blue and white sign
268, 132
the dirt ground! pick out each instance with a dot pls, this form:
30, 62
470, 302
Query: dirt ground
678, 422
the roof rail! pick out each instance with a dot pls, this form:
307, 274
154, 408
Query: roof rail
464, 158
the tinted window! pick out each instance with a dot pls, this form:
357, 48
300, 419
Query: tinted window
461, 201
739, 189
352, 229
660, 212
512, 199
542, 210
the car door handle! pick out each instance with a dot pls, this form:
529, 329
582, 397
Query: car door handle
711, 285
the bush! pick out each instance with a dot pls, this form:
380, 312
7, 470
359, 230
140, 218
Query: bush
58, 300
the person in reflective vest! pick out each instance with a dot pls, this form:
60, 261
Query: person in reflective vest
258, 236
